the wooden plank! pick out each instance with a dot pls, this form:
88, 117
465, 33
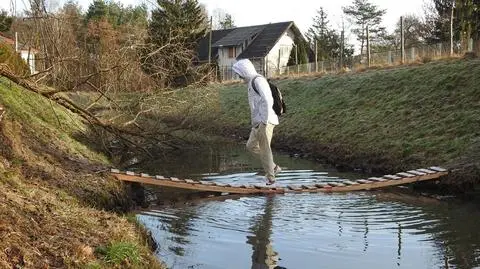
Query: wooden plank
294, 188
392, 177
403, 174
309, 187
426, 171
336, 184
438, 169
184, 185
388, 183
322, 185
377, 179
417, 173
262, 187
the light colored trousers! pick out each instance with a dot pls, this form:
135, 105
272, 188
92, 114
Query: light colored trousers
259, 144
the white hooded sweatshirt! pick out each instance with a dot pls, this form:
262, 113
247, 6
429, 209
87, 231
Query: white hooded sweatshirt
261, 103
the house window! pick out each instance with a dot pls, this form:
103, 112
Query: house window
232, 52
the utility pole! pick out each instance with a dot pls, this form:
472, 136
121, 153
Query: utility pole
296, 58
342, 44
368, 47
316, 55
402, 42
451, 28
210, 43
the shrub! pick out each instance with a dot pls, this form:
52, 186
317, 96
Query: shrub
12, 60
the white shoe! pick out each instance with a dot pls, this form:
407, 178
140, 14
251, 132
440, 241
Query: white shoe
270, 181
277, 170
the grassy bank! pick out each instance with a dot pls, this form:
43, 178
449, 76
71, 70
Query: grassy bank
380, 120
55, 199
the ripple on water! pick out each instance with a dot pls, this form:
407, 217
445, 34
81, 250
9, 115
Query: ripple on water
352, 230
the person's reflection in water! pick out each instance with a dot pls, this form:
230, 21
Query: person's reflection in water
263, 256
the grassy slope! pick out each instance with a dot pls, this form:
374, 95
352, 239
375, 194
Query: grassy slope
385, 120
51, 195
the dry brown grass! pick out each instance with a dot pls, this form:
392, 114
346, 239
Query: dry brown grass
54, 195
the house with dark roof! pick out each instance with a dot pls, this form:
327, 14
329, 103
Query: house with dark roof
268, 46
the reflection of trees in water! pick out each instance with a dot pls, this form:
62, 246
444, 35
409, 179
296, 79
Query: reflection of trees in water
399, 249
365, 235
263, 256
455, 229
206, 159
180, 228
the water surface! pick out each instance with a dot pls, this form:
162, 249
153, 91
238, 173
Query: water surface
352, 230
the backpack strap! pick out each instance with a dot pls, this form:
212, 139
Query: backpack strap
253, 84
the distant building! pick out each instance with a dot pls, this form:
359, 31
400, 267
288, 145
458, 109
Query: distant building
268, 46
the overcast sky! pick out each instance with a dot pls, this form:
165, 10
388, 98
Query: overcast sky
252, 12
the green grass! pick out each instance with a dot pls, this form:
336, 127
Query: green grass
45, 117
121, 252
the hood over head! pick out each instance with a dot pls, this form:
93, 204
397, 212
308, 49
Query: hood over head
245, 69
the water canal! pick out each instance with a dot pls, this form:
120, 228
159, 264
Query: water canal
381, 229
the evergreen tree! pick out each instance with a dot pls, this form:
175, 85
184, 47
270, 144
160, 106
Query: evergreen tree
363, 13
299, 53
321, 33
320, 26
5, 21
177, 18
227, 22
173, 32
328, 40
96, 11
468, 18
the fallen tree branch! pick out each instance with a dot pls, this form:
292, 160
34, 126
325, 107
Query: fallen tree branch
86, 115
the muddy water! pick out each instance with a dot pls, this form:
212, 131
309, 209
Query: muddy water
353, 230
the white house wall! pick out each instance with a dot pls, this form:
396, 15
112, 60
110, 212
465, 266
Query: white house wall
223, 60
280, 53
29, 58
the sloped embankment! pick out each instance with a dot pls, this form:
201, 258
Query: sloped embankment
381, 120
53, 193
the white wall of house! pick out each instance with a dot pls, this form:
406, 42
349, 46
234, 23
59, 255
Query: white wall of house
278, 56
224, 55
29, 58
